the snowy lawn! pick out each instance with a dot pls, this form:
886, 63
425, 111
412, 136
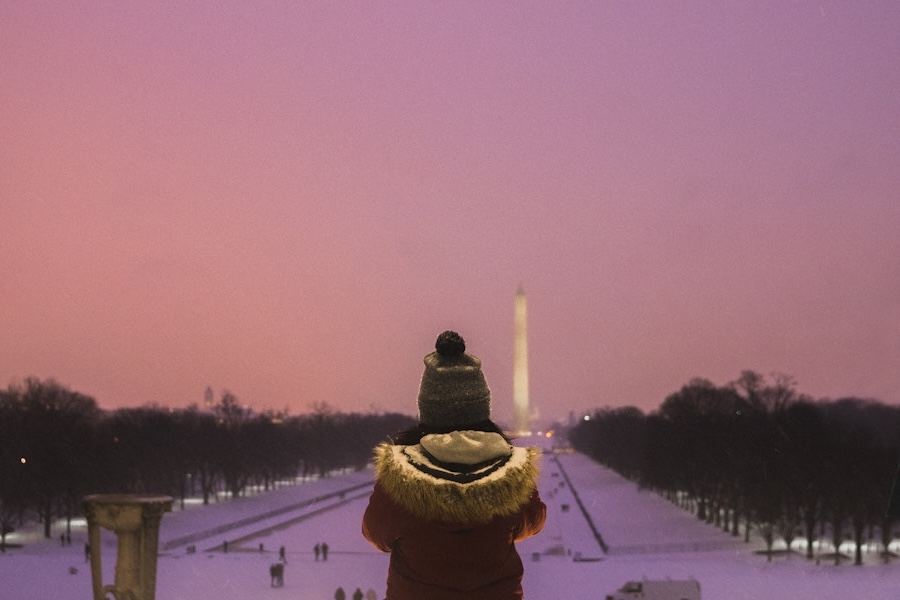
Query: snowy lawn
647, 537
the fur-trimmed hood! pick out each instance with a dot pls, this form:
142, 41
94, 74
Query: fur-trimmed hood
458, 477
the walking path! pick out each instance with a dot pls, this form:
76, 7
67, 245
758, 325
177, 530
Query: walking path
652, 525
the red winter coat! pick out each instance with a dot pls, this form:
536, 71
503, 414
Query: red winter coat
450, 525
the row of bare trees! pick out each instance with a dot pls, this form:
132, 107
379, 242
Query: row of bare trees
57, 445
755, 453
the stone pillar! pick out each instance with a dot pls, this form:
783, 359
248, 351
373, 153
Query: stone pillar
135, 521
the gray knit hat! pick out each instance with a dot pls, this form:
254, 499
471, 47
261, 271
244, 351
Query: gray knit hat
453, 391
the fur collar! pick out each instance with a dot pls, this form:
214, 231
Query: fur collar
437, 480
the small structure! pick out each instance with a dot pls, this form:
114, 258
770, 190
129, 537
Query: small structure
658, 589
135, 521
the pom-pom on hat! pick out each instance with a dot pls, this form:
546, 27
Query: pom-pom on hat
453, 391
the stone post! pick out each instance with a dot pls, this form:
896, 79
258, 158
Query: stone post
135, 521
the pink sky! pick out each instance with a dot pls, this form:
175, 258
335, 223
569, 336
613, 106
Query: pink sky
291, 200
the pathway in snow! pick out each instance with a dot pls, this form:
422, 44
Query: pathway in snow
653, 525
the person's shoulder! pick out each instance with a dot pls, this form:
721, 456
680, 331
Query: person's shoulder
385, 451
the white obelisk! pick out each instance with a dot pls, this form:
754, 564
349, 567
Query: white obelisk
520, 366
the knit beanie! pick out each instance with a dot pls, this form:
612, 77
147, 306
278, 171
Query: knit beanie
453, 391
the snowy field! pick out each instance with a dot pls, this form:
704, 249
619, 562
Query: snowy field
646, 537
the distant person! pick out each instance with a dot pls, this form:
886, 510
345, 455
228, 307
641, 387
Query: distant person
317, 549
276, 573
324, 551
358, 594
340, 594
281, 555
452, 495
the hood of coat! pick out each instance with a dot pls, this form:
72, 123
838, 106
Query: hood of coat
466, 448
458, 477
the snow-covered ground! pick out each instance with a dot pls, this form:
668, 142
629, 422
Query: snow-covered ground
646, 536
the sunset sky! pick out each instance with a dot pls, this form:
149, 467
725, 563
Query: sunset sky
291, 200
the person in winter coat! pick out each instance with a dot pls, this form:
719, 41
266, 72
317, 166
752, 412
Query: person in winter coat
452, 496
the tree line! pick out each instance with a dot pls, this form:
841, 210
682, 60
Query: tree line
57, 445
755, 453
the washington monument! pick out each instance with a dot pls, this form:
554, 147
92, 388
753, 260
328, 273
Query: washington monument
520, 366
